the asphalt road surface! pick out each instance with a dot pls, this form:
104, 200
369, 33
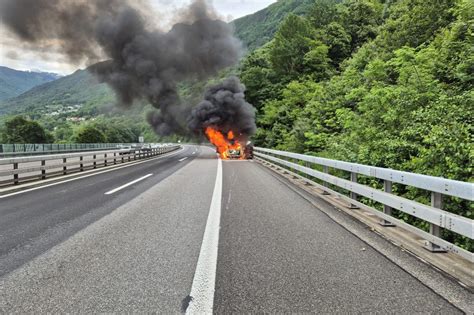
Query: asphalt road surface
187, 232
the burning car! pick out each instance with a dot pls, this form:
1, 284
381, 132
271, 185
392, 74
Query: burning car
228, 146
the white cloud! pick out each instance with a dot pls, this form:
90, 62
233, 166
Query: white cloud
239, 8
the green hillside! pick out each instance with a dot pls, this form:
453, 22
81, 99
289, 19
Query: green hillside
79, 90
14, 82
257, 29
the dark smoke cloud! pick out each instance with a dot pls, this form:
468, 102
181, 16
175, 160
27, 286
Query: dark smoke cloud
143, 63
224, 108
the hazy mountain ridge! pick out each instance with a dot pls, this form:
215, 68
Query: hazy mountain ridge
14, 82
80, 88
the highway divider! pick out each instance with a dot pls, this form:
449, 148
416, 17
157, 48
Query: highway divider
16, 170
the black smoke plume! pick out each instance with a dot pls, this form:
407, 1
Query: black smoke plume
225, 109
142, 62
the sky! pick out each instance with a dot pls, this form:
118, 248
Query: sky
49, 60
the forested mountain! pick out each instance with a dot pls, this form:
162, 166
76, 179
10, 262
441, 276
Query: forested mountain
14, 82
79, 89
75, 104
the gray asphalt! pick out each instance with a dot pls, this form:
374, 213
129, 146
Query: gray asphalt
140, 257
33, 222
277, 252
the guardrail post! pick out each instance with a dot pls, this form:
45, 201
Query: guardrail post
95, 162
81, 165
325, 184
64, 166
105, 159
43, 171
387, 187
436, 202
115, 158
15, 176
353, 195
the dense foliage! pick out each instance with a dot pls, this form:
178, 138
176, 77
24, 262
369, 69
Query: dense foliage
384, 83
20, 130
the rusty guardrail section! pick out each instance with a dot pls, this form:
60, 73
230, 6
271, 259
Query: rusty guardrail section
15, 170
434, 214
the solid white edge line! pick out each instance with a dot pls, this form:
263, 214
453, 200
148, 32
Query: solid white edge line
89, 175
202, 290
128, 184
181, 160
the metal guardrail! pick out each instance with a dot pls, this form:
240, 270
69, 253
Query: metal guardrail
9, 150
70, 163
433, 214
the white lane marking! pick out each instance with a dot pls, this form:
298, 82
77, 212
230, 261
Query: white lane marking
202, 290
128, 184
93, 174
185, 158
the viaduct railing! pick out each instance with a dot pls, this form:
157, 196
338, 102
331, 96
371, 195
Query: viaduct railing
433, 214
20, 169
11, 150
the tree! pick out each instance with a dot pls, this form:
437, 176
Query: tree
339, 42
89, 134
20, 130
361, 19
259, 78
316, 61
293, 41
322, 13
63, 133
414, 22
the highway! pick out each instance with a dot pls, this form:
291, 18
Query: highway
187, 232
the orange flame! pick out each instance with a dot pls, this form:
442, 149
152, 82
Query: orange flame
222, 143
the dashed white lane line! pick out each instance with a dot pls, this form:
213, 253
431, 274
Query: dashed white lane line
202, 290
128, 184
185, 158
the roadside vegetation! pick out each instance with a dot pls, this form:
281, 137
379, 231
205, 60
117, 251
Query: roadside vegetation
383, 83
19, 129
